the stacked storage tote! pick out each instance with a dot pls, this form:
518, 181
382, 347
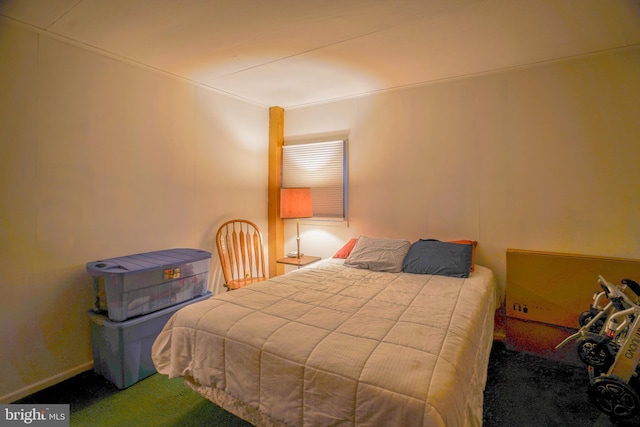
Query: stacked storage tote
135, 296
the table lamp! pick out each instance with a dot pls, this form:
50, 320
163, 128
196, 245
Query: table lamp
296, 203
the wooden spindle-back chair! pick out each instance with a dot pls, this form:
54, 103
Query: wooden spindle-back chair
241, 253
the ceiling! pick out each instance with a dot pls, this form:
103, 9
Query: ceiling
297, 52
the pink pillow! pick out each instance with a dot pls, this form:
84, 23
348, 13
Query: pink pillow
344, 251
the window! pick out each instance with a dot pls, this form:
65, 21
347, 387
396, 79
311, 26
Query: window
323, 167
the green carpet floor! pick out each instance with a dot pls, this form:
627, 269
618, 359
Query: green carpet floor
155, 401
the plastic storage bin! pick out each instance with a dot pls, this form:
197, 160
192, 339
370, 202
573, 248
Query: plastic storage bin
135, 285
122, 350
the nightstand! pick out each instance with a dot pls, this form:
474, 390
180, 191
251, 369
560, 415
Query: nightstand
304, 260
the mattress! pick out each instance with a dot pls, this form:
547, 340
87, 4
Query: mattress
333, 345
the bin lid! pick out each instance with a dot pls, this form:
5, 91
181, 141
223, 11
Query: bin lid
146, 261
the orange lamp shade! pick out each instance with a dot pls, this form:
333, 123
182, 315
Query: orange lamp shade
296, 203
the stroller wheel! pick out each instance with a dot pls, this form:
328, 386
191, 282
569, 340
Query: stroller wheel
614, 397
586, 317
595, 352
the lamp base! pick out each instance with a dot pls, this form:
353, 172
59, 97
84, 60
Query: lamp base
294, 254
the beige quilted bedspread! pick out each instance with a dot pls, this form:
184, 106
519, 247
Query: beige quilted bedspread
333, 345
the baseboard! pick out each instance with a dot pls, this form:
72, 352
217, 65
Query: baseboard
500, 325
47, 382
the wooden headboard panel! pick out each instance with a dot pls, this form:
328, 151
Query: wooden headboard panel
555, 288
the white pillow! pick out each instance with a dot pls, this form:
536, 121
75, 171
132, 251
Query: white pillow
378, 254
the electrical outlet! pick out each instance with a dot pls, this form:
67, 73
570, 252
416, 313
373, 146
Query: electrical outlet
520, 307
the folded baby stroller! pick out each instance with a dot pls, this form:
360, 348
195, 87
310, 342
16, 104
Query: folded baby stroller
608, 342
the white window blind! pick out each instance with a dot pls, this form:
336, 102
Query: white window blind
321, 166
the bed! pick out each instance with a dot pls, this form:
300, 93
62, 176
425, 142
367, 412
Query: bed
338, 344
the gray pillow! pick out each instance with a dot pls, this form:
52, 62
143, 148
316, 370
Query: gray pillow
378, 254
441, 258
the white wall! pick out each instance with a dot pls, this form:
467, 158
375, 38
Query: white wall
99, 158
545, 158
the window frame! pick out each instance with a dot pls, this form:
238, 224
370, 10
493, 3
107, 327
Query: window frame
325, 220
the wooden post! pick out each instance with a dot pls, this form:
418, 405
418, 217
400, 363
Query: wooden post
276, 225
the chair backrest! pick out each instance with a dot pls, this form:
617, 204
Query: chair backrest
241, 253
